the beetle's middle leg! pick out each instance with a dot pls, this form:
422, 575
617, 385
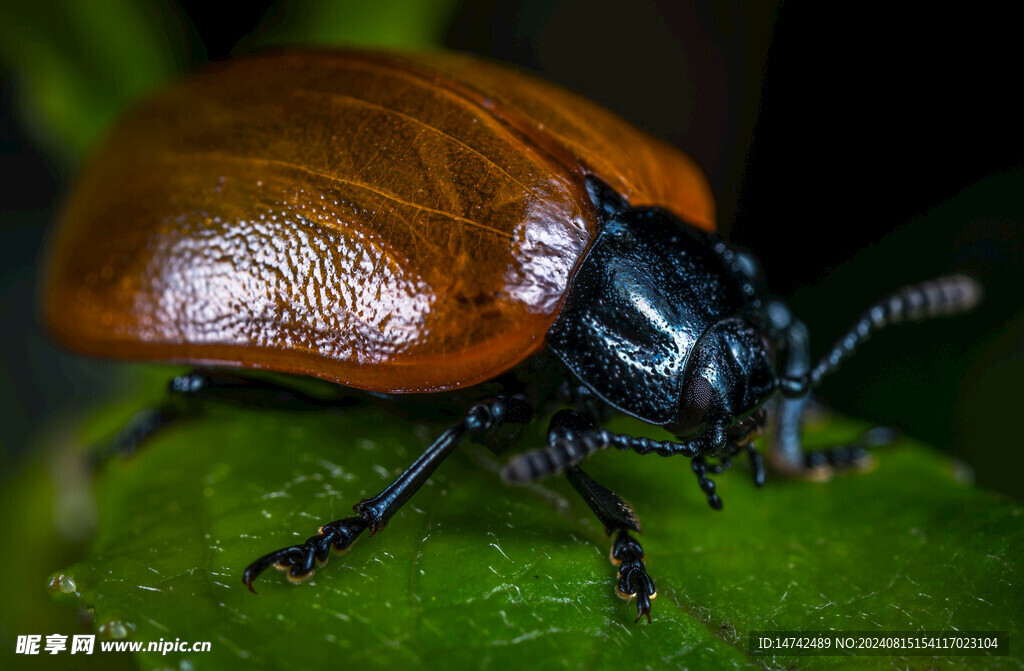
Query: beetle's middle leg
481, 420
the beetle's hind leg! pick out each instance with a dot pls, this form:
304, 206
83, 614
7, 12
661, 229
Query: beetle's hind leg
481, 421
187, 394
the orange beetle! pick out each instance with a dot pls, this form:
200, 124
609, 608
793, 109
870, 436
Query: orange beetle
437, 224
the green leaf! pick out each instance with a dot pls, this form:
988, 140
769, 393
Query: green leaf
475, 574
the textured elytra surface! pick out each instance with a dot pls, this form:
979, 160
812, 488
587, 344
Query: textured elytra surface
475, 573
394, 223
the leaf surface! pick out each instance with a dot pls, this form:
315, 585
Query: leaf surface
474, 573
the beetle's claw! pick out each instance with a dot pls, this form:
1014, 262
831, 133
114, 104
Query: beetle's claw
634, 582
301, 561
273, 559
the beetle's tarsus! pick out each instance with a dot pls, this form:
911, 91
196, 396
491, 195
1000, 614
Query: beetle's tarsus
300, 561
822, 465
634, 582
618, 518
841, 456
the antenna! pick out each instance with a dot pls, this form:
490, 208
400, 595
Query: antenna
941, 297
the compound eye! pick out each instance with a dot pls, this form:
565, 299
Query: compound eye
698, 401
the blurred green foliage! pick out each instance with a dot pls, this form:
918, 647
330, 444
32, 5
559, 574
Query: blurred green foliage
387, 23
78, 64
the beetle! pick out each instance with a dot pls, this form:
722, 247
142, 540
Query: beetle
440, 226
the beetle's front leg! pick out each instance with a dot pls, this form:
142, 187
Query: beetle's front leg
300, 561
614, 513
627, 554
943, 296
786, 454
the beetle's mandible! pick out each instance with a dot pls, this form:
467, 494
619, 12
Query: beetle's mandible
440, 226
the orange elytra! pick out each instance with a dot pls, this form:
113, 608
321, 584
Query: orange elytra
390, 222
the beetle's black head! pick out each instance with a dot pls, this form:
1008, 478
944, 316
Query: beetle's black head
729, 375
657, 322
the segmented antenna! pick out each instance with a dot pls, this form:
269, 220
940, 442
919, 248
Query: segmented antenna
940, 297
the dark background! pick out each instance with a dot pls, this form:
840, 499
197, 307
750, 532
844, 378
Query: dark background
853, 151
